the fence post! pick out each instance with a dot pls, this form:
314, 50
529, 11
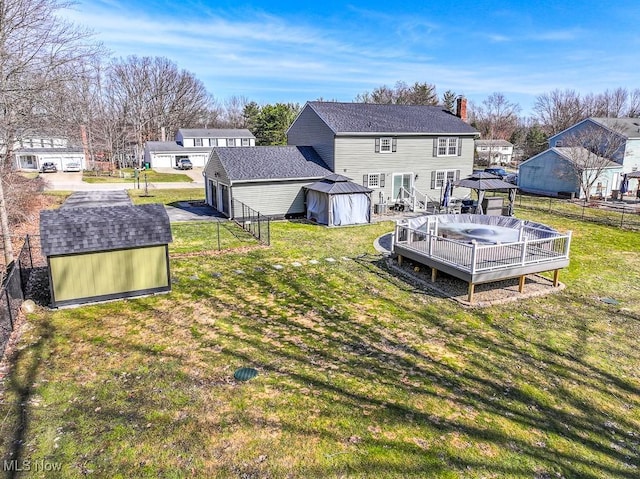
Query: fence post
523, 255
27, 241
6, 295
474, 250
259, 230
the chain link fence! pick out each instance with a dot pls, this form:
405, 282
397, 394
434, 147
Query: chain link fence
621, 214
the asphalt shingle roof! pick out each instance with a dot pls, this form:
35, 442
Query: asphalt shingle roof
85, 230
377, 118
629, 127
216, 133
173, 147
271, 162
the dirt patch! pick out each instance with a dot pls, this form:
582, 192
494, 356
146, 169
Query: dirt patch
488, 294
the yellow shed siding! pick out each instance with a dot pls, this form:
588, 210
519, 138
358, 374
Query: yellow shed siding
108, 273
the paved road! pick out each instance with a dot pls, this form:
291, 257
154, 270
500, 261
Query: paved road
73, 182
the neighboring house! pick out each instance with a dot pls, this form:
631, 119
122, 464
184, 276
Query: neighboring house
626, 129
550, 173
269, 179
195, 145
402, 152
499, 152
32, 152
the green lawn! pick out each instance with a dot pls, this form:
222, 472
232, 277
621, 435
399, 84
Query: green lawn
126, 175
360, 374
166, 196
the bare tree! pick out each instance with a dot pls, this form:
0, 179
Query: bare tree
589, 151
152, 93
234, 111
558, 110
39, 54
496, 119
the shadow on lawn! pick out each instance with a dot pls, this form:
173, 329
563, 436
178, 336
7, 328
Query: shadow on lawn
521, 380
25, 365
362, 364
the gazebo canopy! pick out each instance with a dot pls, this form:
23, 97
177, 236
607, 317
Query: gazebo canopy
483, 181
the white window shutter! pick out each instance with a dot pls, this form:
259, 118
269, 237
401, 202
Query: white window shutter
365, 180
435, 147
377, 145
381, 180
433, 180
394, 145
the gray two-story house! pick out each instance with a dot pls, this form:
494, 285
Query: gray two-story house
401, 152
395, 153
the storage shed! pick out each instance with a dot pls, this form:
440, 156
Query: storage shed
101, 253
337, 201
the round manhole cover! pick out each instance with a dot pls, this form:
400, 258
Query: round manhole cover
244, 374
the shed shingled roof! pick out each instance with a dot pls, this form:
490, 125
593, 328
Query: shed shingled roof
385, 118
84, 230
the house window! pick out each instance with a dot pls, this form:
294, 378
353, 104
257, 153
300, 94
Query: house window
386, 145
246, 142
197, 142
374, 180
212, 142
231, 142
439, 178
558, 142
447, 147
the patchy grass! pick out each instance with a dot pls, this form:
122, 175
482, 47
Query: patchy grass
126, 175
360, 374
166, 196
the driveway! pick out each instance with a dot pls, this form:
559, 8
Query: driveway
185, 211
73, 182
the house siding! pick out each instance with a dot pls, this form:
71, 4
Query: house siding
565, 138
310, 130
547, 174
356, 157
272, 198
632, 155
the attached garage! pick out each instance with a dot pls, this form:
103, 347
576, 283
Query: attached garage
103, 253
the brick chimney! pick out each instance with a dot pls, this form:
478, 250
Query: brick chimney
461, 108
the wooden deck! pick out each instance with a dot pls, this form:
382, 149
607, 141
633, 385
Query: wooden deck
478, 263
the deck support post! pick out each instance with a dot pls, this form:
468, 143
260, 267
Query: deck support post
556, 276
521, 284
399, 260
472, 288
434, 275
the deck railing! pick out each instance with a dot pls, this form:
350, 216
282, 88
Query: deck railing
475, 257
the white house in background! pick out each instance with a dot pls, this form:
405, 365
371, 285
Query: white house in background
195, 145
32, 152
498, 152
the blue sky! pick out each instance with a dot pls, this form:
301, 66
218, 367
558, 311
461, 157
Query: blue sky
293, 52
